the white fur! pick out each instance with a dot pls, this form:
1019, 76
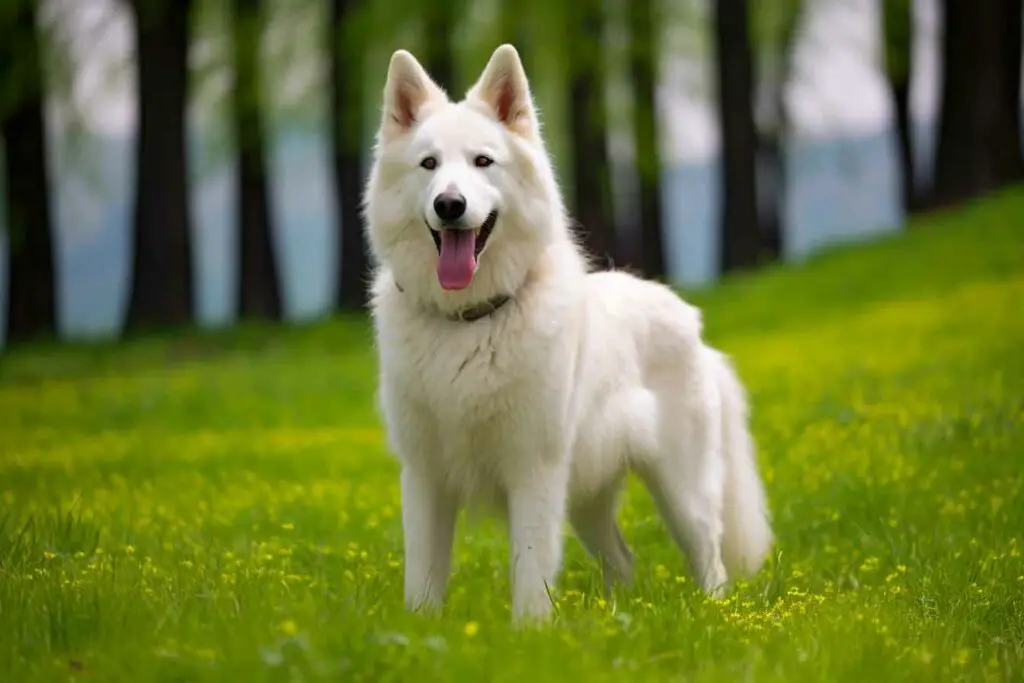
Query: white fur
543, 407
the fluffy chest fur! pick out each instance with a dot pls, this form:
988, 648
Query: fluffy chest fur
475, 395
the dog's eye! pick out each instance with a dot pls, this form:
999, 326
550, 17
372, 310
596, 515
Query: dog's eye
429, 163
483, 161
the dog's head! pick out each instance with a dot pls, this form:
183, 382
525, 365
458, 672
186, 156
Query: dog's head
461, 199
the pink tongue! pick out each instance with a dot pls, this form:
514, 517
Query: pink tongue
457, 262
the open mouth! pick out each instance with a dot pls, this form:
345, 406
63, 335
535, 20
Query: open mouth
480, 235
457, 252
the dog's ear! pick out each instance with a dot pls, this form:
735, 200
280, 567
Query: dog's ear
408, 93
504, 91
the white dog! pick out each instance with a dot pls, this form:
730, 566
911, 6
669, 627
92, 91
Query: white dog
510, 374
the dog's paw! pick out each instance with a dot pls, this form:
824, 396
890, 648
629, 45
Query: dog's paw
718, 592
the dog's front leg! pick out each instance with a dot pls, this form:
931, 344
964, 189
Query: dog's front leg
428, 520
536, 510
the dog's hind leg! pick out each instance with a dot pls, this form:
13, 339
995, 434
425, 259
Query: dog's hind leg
685, 478
598, 530
428, 520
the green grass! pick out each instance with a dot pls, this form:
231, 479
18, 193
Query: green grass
222, 506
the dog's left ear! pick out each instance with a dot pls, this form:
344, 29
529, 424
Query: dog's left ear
505, 92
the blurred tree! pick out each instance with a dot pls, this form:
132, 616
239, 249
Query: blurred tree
259, 293
591, 187
776, 22
161, 289
513, 27
898, 26
347, 43
31, 307
734, 65
980, 126
439, 26
644, 52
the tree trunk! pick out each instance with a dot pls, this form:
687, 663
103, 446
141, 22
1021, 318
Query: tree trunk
31, 306
772, 183
643, 67
346, 83
591, 169
900, 93
440, 59
734, 65
898, 21
980, 131
259, 290
161, 289
772, 178
1013, 45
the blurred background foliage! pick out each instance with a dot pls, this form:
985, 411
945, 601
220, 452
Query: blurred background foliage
595, 67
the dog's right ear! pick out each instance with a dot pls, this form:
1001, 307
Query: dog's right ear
408, 94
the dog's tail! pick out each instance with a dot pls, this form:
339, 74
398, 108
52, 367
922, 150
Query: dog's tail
747, 533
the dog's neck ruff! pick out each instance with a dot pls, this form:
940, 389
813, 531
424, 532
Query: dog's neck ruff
476, 311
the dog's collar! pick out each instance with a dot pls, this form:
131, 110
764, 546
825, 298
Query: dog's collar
480, 310
474, 312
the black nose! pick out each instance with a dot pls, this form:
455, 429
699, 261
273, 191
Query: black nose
450, 206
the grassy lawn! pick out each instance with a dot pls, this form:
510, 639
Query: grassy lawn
222, 506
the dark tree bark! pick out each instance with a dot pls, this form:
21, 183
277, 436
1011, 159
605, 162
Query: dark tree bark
900, 94
643, 66
161, 289
980, 128
897, 16
259, 293
347, 153
31, 306
734, 64
772, 178
591, 197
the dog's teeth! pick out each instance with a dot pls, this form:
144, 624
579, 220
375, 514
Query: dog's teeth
478, 232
